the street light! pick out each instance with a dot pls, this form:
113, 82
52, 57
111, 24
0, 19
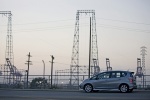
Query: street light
52, 70
43, 69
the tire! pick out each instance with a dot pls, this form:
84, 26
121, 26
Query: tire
88, 88
124, 88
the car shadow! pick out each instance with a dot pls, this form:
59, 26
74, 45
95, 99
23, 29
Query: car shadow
108, 91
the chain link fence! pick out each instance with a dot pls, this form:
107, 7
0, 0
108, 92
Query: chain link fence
58, 82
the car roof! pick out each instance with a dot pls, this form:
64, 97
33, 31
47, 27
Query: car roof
116, 71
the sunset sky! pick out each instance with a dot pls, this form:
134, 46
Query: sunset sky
46, 27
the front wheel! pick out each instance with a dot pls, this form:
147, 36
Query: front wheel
88, 88
124, 88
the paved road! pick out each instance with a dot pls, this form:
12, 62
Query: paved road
71, 95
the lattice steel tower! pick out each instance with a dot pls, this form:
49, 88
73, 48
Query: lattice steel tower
9, 43
143, 53
94, 66
9, 40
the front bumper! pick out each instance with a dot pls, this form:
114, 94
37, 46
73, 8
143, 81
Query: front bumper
81, 86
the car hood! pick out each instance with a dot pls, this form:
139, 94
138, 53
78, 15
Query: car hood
86, 80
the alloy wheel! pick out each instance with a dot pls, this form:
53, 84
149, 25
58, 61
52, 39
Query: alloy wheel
88, 88
124, 88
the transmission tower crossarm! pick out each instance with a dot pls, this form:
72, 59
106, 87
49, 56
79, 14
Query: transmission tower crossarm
5, 12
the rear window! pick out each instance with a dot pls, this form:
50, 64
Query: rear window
123, 74
131, 74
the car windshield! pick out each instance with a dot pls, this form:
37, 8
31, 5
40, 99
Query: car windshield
94, 77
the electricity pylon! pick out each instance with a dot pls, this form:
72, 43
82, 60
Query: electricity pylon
93, 48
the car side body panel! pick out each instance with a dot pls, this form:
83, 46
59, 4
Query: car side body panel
111, 80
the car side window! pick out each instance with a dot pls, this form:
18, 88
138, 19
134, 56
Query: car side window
107, 75
118, 74
123, 74
93, 78
100, 76
104, 76
113, 75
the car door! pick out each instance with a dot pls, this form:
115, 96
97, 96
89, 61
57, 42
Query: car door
114, 80
101, 81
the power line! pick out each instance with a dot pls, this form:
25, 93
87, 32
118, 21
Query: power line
70, 26
124, 21
43, 29
123, 28
101, 25
62, 63
41, 22
54, 62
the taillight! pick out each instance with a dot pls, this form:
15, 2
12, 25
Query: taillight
130, 80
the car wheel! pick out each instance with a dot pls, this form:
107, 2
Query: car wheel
88, 88
124, 88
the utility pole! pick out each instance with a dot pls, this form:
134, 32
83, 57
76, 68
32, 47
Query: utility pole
52, 70
28, 63
90, 50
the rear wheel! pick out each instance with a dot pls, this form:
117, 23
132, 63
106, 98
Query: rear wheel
124, 88
88, 88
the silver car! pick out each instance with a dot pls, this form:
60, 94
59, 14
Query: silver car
121, 80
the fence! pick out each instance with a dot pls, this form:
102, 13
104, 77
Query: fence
59, 82
143, 82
